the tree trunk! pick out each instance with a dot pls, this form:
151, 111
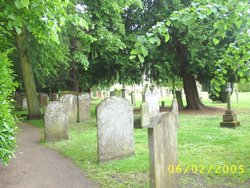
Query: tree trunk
74, 78
191, 92
74, 85
190, 88
28, 77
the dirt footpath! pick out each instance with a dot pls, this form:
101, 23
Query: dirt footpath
39, 167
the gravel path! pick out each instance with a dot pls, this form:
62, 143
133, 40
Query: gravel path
39, 167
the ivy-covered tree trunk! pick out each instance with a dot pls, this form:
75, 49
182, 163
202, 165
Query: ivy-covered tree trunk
28, 77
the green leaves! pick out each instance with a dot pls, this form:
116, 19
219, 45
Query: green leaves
22, 4
215, 41
7, 123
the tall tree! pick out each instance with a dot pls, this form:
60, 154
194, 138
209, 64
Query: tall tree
42, 20
192, 34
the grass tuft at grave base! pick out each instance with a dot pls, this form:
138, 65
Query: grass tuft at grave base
202, 145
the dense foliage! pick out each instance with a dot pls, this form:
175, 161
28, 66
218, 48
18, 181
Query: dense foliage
7, 122
208, 38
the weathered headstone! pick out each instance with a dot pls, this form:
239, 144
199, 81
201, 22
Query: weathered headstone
229, 118
152, 98
115, 127
133, 99
162, 141
56, 122
43, 99
24, 104
84, 107
70, 105
145, 116
174, 107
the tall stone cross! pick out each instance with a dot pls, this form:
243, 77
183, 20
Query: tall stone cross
229, 118
229, 90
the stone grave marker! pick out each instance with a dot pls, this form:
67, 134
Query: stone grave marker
84, 107
145, 116
115, 127
70, 105
162, 141
24, 104
56, 122
150, 107
153, 101
43, 99
229, 118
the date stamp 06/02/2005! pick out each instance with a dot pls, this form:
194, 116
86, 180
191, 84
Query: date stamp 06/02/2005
206, 169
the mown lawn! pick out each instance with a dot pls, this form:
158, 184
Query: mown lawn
200, 142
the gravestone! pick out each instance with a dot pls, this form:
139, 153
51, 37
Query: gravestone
43, 99
70, 105
24, 104
162, 141
56, 122
133, 98
84, 107
145, 116
152, 98
115, 127
229, 118
174, 107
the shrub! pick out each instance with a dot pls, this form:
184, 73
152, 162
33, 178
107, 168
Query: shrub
7, 121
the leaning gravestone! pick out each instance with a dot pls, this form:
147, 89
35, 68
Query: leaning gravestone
162, 141
56, 122
84, 107
24, 104
70, 105
115, 127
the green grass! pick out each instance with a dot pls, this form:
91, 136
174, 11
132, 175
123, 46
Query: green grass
200, 142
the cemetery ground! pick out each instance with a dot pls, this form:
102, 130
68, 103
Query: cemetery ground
201, 143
